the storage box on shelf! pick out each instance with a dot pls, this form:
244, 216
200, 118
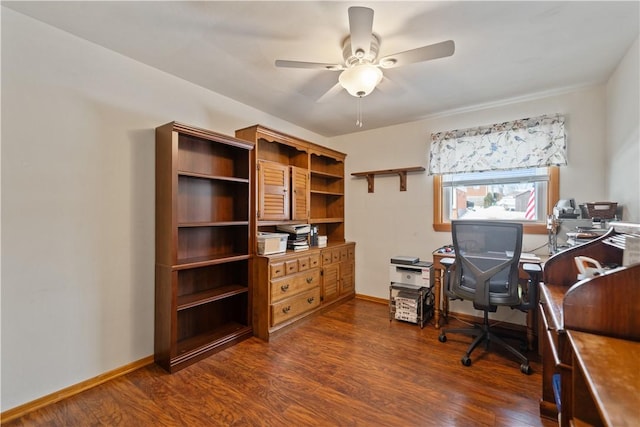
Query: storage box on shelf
298, 182
203, 241
272, 243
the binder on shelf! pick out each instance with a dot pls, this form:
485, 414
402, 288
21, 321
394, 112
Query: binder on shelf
313, 236
295, 228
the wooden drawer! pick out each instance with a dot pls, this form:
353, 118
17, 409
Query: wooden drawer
344, 254
326, 257
277, 269
282, 268
288, 286
292, 307
351, 252
303, 263
335, 255
291, 266
314, 260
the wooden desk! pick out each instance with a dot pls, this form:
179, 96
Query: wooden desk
438, 312
438, 270
606, 305
606, 380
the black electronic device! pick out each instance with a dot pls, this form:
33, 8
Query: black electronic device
405, 260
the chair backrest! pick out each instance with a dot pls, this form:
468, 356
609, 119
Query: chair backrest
487, 256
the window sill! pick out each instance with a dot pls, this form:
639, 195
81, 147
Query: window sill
527, 228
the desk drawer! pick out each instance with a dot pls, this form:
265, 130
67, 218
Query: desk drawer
292, 307
291, 285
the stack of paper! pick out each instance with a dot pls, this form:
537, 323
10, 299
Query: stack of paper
298, 236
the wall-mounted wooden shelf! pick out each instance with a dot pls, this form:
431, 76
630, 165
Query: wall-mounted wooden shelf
402, 172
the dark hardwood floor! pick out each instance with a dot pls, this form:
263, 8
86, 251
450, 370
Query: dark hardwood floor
347, 367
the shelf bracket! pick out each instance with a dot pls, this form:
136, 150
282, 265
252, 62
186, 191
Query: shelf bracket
402, 173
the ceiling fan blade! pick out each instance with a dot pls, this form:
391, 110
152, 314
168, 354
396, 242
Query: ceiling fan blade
361, 28
388, 86
312, 65
335, 89
425, 53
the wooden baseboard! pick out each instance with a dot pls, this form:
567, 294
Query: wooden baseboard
25, 408
384, 301
467, 318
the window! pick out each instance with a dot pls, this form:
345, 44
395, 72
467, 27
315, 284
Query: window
523, 195
504, 171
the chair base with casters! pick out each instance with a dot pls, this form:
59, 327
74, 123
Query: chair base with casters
483, 334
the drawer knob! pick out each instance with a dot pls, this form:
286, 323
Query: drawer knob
285, 288
309, 279
310, 299
286, 309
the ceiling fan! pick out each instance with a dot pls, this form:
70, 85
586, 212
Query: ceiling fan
361, 71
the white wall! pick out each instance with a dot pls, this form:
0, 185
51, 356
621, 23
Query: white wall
389, 222
623, 136
78, 202
78, 194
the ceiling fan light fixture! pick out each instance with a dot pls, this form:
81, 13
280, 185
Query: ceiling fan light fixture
360, 80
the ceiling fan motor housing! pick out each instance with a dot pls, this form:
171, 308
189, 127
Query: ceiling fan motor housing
367, 57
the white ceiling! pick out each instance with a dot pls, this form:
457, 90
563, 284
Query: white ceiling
504, 50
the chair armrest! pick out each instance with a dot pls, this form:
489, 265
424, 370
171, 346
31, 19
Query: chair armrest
447, 263
532, 269
529, 299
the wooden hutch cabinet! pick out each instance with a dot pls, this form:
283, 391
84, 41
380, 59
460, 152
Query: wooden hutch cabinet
298, 182
203, 243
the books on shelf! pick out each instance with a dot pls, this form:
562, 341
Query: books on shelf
298, 239
299, 248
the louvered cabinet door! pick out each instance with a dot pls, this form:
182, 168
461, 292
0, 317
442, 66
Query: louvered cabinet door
273, 191
300, 199
330, 282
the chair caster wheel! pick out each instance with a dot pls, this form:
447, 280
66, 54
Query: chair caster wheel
466, 361
442, 338
525, 369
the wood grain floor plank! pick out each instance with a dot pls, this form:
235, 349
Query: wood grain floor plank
350, 366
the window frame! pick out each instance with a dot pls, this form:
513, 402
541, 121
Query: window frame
553, 195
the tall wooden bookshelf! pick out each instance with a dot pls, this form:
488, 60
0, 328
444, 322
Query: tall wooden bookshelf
203, 243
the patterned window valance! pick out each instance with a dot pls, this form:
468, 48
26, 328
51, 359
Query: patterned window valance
525, 143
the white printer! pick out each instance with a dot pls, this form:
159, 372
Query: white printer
410, 295
411, 271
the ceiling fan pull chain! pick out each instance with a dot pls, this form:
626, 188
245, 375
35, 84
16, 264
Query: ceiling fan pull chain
359, 112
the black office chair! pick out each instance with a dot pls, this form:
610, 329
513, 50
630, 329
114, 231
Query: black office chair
485, 270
